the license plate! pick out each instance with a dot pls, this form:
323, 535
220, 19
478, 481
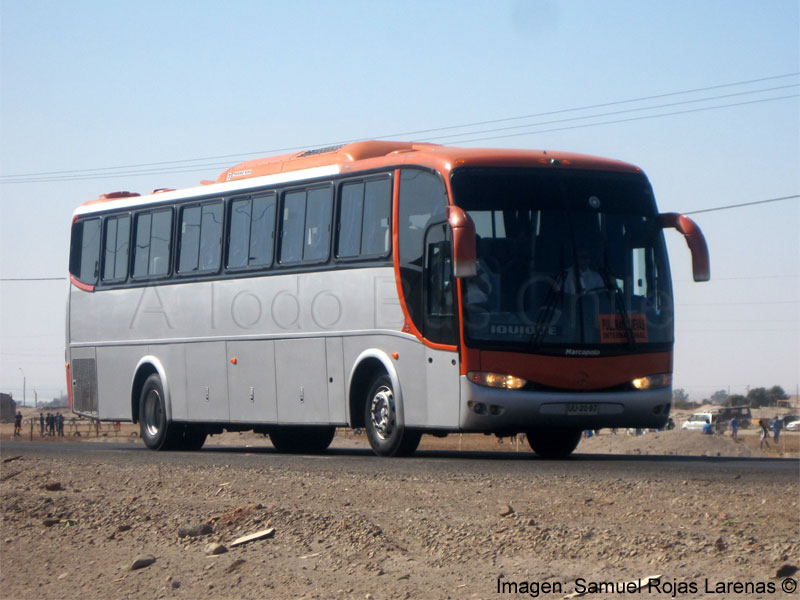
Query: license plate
582, 409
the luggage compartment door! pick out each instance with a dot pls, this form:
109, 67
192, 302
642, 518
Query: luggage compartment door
251, 382
302, 376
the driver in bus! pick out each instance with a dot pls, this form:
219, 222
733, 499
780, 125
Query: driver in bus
585, 279
480, 296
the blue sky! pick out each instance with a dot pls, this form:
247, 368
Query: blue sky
88, 85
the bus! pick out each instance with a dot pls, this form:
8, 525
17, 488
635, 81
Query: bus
396, 287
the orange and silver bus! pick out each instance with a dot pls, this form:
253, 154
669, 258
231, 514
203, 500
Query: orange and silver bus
403, 288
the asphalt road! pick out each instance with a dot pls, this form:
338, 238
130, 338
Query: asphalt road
594, 466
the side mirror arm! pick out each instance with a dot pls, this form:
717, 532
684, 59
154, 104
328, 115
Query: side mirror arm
465, 262
701, 265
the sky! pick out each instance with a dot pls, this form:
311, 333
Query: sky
701, 95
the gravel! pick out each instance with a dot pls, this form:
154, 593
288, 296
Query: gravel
341, 533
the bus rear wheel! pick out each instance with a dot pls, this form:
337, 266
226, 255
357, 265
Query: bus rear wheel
312, 440
386, 435
553, 443
153, 423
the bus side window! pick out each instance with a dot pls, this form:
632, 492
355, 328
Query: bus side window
210, 237
262, 231
200, 238
376, 234
115, 248
364, 222
85, 251
153, 240
190, 239
422, 199
293, 227
318, 224
239, 233
351, 211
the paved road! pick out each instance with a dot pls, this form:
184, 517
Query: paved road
595, 466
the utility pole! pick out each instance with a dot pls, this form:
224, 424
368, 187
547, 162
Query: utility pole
23, 385
35, 399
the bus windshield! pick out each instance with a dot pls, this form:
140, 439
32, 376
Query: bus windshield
569, 262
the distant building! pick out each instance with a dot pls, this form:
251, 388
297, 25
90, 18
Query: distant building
8, 408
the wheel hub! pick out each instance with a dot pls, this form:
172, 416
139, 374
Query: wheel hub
382, 412
152, 413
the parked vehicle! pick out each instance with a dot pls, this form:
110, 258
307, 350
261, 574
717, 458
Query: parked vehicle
742, 413
699, 420
793, 425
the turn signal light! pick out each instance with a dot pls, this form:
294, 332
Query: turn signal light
496, 380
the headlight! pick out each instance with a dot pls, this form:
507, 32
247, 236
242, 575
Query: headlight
652, 381
496, 380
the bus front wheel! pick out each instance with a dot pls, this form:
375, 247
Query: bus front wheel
386, 435
153, 423
553, 443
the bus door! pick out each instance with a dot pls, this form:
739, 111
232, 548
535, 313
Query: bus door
440, 327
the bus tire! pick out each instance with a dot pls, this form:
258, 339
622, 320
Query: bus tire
553, 443
153, 423
295, 440
386, 435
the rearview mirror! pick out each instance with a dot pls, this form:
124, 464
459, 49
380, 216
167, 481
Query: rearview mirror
464, 252
701, 266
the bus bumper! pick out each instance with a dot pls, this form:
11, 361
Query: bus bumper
511, 411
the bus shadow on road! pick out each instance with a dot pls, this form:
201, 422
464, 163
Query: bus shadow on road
483, 455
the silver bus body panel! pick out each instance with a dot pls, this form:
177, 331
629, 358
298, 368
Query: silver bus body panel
276, 306
252, 389
293, 337
302, 380
441, 388
116, 366
337, 393
518, 410
206, 382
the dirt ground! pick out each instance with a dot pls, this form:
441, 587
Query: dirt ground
74, 528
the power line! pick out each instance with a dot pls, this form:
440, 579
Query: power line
740, 321
626, 111
416, 132
196, 168
705, 210
747, 278
603, 105
740, 330
740, 303
628, 120
42, 176
5, 279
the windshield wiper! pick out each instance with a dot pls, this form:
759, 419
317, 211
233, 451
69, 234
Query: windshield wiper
547, 310
619, 302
